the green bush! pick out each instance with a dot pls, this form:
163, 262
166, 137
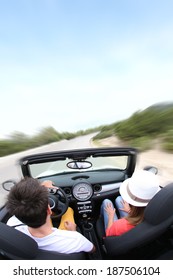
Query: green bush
167, 142
141, 143
168, 146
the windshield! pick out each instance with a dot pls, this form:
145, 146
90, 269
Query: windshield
62, 166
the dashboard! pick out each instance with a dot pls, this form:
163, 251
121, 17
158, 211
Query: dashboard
86, 191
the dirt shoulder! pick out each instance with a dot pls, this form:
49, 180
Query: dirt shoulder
155, 157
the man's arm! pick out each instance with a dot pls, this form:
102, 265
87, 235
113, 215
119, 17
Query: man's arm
48, 184
70, 225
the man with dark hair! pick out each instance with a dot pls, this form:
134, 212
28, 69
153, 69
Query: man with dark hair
28, 202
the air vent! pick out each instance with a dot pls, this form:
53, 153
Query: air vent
97, 187
80, 177
67, 190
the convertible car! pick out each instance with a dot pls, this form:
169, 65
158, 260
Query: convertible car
85, 177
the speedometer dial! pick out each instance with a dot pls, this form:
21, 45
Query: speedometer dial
82, 191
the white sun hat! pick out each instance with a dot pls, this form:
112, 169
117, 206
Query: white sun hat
140, 188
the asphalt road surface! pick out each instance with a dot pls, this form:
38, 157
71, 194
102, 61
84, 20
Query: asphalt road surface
9, 168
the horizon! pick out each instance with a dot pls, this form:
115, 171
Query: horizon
164, 103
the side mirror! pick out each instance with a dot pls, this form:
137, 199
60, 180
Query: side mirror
152, 169
7, 185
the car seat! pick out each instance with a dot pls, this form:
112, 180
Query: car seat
151, 239
16, 245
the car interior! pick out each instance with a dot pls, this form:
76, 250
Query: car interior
84, 188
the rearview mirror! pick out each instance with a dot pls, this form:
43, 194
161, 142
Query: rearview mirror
79, 164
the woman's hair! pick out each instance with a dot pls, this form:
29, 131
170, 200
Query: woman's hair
136, 215
28, 201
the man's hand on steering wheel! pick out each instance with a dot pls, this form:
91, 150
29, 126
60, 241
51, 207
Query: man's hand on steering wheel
57, 200
48, 184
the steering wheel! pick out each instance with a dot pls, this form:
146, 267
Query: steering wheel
58, 202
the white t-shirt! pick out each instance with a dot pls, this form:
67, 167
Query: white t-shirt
62, 241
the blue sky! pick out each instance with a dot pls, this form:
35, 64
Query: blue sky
79, 64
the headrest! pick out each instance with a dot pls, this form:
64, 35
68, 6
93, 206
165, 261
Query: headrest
15, 244
160, 208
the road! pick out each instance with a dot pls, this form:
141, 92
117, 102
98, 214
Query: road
9, 168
